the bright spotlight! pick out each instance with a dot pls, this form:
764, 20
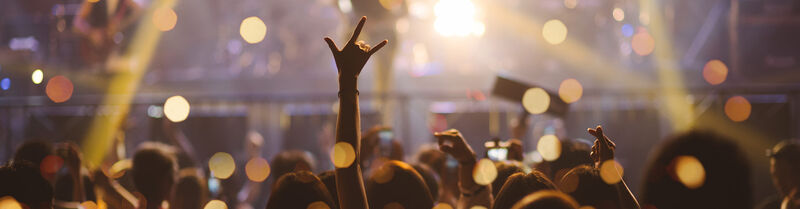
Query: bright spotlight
457, 18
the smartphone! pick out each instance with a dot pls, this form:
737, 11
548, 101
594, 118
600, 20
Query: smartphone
497, 153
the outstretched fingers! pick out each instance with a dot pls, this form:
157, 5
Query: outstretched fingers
378, 47
332, 45
358, 30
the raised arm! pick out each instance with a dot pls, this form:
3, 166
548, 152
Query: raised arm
472, 193
602, 150
349, 61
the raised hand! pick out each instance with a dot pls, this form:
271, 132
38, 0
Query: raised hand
603, 148
453, 143
354, 55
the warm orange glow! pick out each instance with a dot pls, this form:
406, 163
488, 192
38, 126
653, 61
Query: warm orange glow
485, 172
549, 147
611, 171
618, 14
384, 174
216, 204
343, 155
51, 164
257, 169
9, 202
59, 89
222, 165
176, 108
554, 32
318, 205
737, 108
536, 100
478, 207
88, 205
253, 30
715, 72
442, 206
643, 43
690, 171
165, 18
570, 90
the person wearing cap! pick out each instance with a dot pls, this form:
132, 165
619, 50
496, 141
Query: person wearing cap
784, 160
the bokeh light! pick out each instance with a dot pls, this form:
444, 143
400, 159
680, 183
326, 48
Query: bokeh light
643, 43
384, 174
5, 83
479, 207
618, 14
345, 6
715, 72
737, 108
119, 168
570, 90
164, 18
59, 89
253, 30
390, 4
318, 205
485, 172
457, 18
611, 171
176, 108
51, 164
570, 4
554, 31
690, 171
536, 100
627, 30
88, 205
37, 76
549, 147
9, 202
257, 169
586, 207
343, 155
215, 204
222, 165
442, 206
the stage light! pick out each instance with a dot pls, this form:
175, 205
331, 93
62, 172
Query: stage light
690, 171
253, 30
443, 206
611, 171
176, 108
715, 72
343, 154
643, 43
164, 19
737, 108
37, 76
216, 204
549, 147
618, 14
257, 169
5, 83
570, 90
554, 32
570, 4
390, 4
456, 18
318, 205
479, 29
59, 89
8, 202
345, 6
485, 172
627, 30
222, 165
536, 100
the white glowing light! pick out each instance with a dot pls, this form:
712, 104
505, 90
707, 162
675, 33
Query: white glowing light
457, 18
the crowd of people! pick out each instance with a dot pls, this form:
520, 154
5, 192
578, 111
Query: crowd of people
371, 176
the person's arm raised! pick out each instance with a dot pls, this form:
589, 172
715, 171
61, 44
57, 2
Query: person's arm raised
349, 61
472, 193
603, 150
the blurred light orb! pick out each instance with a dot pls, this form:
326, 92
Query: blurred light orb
390, 4
611, 171
570, 4
176, 108
627, 30
442, 206
345, 6
253, 30
59, 89
478, 207
215, 204
343, 154
222, 165
485, 172
155, 111
51, 164
690, 171
737, 108
554, 31
164, 19
715, 72
479, 29
643, 43
456, 18
536, 100
570, 90
318, 205
644, 18
37, 76
5, 83
88, 205
257, 169
8, 202
384, 174
618, 14
549, 147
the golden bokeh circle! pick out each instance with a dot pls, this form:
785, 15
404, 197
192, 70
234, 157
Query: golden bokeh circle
690, 171
611, 171
570, 90
549, 147
554, 31
737, 108
176, 108
165, 18
715, 72
643, 43
536, 100
318, 205
485, 172
253, 30
222, 165
216, 204
257, 169
343, 155
59, 89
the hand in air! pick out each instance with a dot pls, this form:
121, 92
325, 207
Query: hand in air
453, 143
354, 55
603, 148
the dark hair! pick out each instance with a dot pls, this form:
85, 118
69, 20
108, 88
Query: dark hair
397, 182
547, 199
153, 172
431, 179
573, 153
291, 161
504, 170
22, 181
297, 190
588, 188
191, 190
727, 180
329, 179
33, 152
520, 185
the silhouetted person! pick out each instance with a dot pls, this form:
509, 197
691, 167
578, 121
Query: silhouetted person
291, 161
21, 180
727, 176
329, 179
573, 153
153, 170
191, 191
784, 160
432, 180
33, 152
471, 193
298, 190
520, 185
587, 187
397, 182
548, 199
504, 170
